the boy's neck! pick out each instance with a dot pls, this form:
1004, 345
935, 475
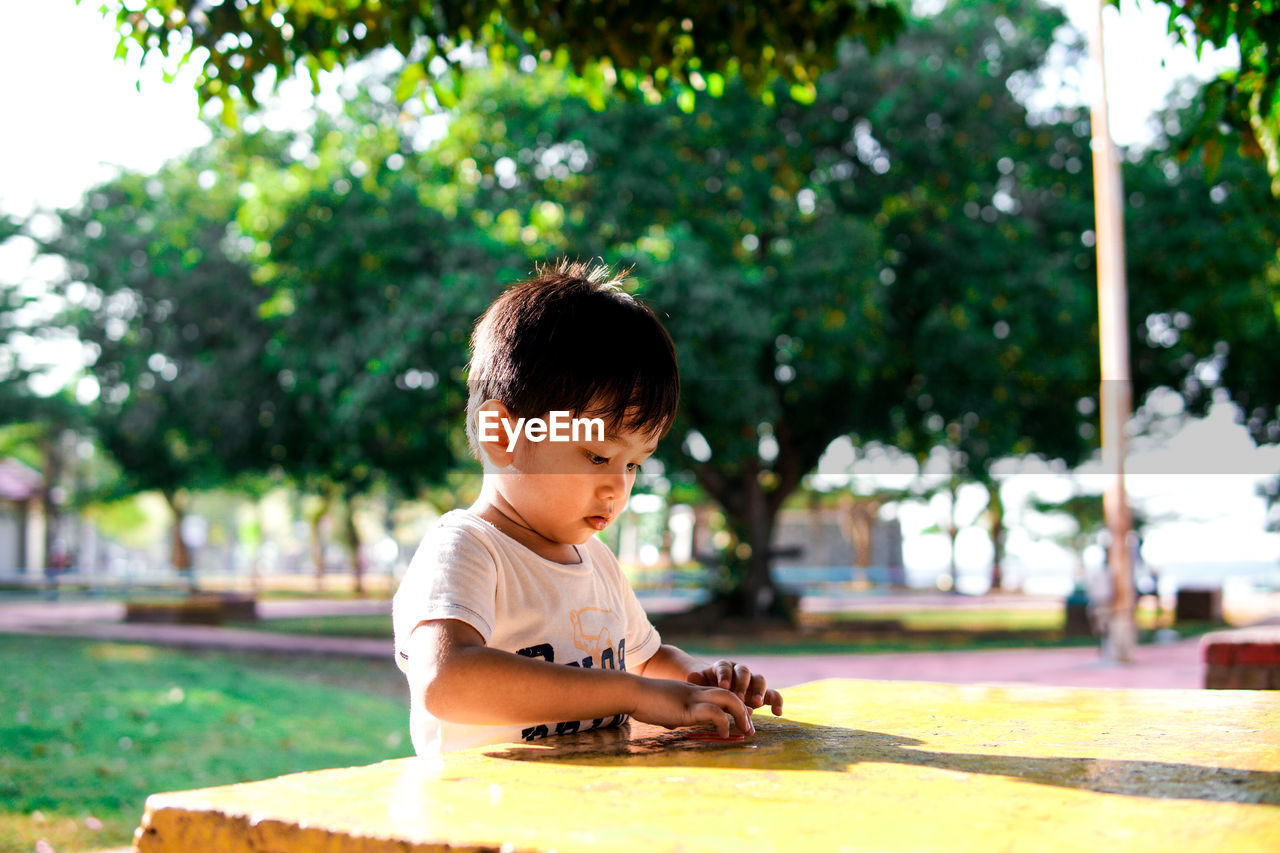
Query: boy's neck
496, 510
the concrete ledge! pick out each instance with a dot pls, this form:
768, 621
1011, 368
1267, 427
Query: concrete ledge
855, 765
1243, 658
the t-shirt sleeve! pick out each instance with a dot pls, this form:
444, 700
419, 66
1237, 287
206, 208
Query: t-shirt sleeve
452, 575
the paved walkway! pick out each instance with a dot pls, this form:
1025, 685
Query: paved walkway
1172, 665
1175, 665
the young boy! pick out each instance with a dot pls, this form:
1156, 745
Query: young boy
513, 621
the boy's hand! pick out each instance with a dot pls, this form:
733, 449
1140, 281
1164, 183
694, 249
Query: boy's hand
739, 680
672, 704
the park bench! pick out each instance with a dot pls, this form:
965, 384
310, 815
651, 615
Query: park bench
199, 608
1242, 658
853, 765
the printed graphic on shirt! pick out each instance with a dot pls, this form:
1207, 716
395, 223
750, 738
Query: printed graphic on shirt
591, 635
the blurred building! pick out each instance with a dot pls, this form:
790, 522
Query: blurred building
825, 543
20, 517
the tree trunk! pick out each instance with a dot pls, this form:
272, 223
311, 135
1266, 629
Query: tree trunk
952, 534
54, 550
665, 560
752, 523
353, 538
752, 512
995, 512
315, 540
862, 521
179, 554
700, 546
255, 555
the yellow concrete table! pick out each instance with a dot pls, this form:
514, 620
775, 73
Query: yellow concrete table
854, 765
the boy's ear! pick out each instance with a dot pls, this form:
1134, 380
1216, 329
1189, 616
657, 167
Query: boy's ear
494, 427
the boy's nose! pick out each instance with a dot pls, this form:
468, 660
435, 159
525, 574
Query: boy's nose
612, 485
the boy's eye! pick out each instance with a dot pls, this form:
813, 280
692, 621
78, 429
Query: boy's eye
596, 459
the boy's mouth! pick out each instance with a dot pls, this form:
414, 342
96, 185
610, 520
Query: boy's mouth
599, 522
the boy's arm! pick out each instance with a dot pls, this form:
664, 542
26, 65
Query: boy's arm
460, 679
675, 663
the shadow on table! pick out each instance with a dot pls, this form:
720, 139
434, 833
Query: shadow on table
782, 744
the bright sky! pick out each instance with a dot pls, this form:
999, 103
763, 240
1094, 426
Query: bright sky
72, 114
71, 109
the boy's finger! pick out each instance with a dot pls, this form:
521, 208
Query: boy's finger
741, 681
713, 714
724, 674
733, 706
755, 694
774, 700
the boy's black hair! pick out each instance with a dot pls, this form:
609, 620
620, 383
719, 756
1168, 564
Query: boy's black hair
571, 339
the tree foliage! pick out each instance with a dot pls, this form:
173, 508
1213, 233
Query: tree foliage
907, 259
900, 259
647, 44
1203, 242
373, 277
160, 291
373, 294
1250, 94
32, 425
260, 309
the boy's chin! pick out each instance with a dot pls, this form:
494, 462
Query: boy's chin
586, 532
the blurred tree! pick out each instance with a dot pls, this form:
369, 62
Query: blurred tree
12, 302
981, 209
38, 428
1249, 95
1270, 491
767, 351
272, 304
1089, 523
42, 432
374, 275
373, 296
20, 332
1087, 518
1203, 236
900, 256
906, 258
159, 290
646, 44
1202, 259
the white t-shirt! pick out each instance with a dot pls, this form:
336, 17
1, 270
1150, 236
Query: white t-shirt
579, 615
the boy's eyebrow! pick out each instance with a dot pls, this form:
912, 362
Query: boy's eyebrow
613, 437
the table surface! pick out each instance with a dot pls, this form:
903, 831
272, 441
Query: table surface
852, 765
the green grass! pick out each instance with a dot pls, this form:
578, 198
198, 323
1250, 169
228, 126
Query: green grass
962, 619
89, 729
372, 625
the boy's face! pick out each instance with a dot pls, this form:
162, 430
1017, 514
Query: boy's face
568, 491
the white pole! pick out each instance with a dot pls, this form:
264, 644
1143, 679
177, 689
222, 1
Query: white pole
1113, 335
